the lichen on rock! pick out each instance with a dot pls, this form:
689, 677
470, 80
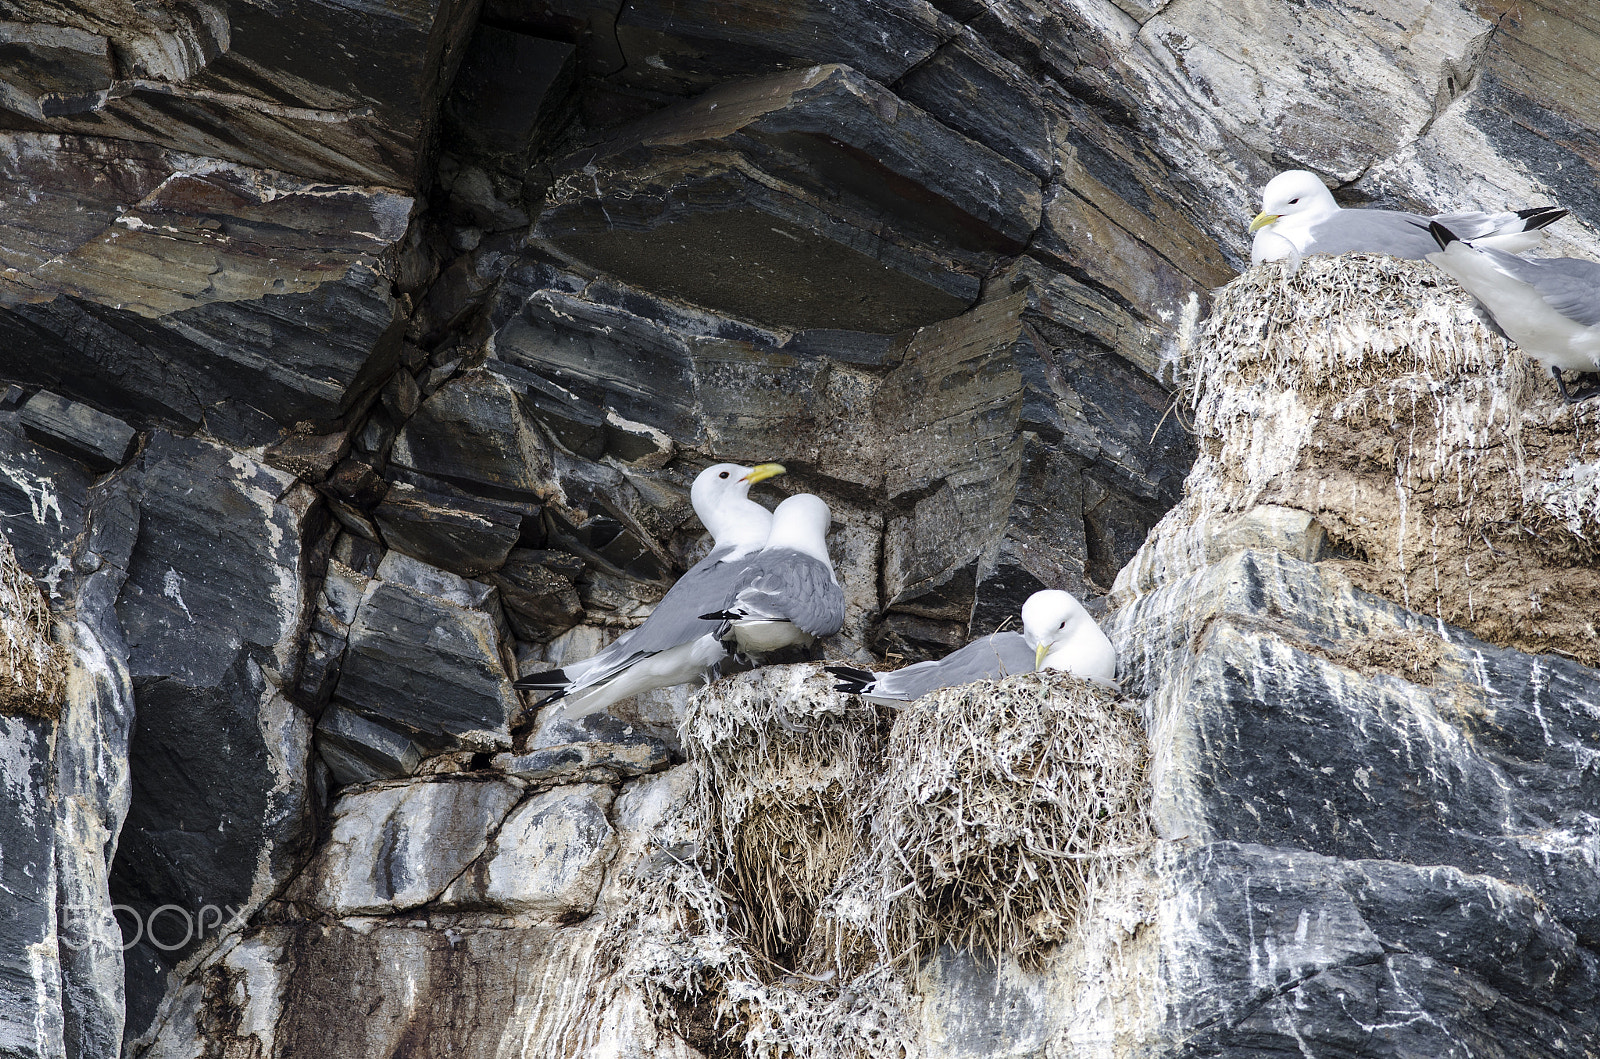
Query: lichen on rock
33, 668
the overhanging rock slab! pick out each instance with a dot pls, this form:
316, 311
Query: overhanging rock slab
809, 199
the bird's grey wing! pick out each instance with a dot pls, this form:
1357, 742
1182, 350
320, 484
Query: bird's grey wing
1374, 232
1569, 285
785, 585
1473, 224
676, 619
998, 655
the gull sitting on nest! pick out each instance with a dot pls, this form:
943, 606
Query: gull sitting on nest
1057, 633
1299, 216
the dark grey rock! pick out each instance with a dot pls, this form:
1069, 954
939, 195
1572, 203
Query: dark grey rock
473, 433
698, 44
538, 593
383, 752
43, 499
339, 94
1448, 963
464, 536
212, 611
401, 396
242, 368
510, 95
30, 974
99, 440
883, 225
425, 656
308, 456
1392, 809
62, 984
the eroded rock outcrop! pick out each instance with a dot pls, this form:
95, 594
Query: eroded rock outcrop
337, 389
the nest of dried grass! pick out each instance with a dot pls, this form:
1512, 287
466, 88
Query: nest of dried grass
1366, 391
1001, 808
831, 852
33, 669
785, 769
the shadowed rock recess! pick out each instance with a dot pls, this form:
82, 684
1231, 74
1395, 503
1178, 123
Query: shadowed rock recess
356, 358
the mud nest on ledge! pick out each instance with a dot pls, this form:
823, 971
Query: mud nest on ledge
838, 845
1366, 391
32, 667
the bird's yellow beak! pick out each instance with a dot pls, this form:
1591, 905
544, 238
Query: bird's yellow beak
762, 471
1262, 220
1039, 653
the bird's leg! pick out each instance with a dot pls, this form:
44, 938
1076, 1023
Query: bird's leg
1581, 395
1586, 393
1562, 383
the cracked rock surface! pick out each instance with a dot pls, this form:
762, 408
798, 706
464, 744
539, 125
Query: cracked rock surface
358, 357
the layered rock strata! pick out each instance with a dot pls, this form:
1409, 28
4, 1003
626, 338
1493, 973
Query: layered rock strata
337, 388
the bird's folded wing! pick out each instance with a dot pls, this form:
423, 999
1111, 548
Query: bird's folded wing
791, 586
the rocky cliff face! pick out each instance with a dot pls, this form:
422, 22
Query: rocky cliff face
357, 357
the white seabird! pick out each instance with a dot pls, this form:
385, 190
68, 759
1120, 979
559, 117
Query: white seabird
1057, 633
1299, 216
789, 595
1549, 306
674, 645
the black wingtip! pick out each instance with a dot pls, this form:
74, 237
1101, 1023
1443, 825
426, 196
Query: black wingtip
719, 615
549, 680
851, 681
1537, 217
1442, 235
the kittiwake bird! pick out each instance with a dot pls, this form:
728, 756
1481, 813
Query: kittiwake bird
1299, 216
1548, 306
1057, 633
788, 594
674, 645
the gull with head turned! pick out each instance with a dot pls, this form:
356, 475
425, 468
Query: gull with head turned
788, 594
1299, 216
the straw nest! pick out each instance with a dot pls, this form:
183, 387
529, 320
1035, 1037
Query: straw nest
1001, 808
32, 667
828, 851
1365, 391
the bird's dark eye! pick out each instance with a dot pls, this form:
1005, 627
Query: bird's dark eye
1063, 625
1293, 201
724, 474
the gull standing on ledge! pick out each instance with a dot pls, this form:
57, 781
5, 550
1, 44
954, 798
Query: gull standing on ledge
1548, 306
1298, 217
674, 645
1057, 633
788, 594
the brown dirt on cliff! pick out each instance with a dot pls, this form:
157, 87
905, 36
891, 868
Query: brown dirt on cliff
1364, 391
33, 674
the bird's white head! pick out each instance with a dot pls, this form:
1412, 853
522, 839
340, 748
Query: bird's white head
801, 522
1292, 202
721, 497
1064, 636
1051, 617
